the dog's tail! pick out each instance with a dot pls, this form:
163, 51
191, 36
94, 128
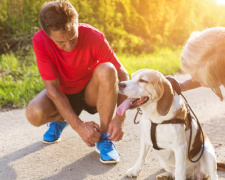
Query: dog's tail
220, 166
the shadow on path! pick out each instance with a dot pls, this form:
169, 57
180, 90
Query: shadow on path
6, 171
82, 168
87, 166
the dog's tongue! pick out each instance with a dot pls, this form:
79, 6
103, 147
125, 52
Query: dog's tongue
124, 106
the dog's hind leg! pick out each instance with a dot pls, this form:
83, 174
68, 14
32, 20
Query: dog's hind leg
136, 169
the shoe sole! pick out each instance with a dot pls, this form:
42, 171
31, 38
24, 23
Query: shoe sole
51, 142
107, 162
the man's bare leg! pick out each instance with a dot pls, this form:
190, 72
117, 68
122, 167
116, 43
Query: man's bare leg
102, 92
41, 110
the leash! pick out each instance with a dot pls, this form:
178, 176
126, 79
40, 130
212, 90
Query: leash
200, 128
177, 88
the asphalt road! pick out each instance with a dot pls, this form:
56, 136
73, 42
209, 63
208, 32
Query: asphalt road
23, 156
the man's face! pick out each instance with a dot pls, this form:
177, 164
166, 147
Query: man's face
65, 40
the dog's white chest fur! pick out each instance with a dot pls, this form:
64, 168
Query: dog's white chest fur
164, 140
168, 136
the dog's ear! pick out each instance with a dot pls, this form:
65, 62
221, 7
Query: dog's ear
165, 102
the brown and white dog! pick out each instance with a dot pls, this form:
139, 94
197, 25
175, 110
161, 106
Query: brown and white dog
159, 103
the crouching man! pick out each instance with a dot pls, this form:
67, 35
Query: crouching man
80, 72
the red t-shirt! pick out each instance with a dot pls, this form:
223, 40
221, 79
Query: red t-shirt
73, 69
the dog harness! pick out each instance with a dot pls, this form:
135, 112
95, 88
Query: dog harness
187, 122
176, 88
153, 130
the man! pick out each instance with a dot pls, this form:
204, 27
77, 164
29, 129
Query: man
80, 72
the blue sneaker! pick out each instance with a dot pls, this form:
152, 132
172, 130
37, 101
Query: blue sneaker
53, 134
107, 150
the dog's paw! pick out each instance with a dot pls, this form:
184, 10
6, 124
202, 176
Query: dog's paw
164, 176
197, 176
133, 172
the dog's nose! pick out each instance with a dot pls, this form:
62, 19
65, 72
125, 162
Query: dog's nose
122, 85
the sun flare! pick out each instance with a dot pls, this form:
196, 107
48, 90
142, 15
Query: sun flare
220, 2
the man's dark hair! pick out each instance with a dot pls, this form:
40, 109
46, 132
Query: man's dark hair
58, 15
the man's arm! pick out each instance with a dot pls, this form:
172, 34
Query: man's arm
189, 84
88, 130
116, 126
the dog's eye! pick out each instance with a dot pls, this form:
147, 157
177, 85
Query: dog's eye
142, 81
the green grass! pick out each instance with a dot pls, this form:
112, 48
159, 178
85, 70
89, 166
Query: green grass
165, 60
20, 80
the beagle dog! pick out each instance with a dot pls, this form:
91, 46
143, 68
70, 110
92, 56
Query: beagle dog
166, 115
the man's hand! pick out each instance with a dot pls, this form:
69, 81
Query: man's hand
89, 132
116, 128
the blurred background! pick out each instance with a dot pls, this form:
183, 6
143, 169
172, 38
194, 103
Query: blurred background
143, 34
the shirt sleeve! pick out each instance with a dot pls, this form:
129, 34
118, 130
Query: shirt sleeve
105, 54
46, 66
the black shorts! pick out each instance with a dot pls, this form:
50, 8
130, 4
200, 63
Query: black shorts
78, 104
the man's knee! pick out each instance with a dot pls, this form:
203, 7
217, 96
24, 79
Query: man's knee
34, 114
106, 72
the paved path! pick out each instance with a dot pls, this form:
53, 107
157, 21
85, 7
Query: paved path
23, 156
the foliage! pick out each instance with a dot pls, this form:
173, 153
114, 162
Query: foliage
133, 26
18, 22
19, 79
138, 30
165, 60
